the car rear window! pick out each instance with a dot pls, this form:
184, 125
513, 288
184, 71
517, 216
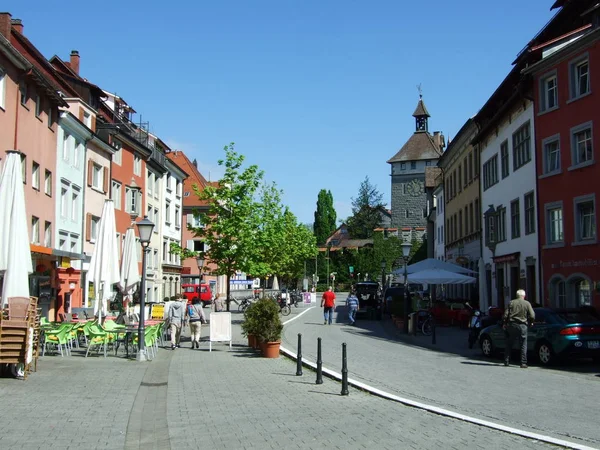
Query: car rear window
575, 317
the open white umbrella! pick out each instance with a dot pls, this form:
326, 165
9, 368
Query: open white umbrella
104, 266
438, 276
15, 254
130, 272
434, 264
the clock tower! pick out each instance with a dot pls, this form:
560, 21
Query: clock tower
408, 165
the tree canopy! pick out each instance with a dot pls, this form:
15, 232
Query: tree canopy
325, 217
366, 215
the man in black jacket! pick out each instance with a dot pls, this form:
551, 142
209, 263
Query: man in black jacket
517, 316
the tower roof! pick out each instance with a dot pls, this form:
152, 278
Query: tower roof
421, 110
420, 146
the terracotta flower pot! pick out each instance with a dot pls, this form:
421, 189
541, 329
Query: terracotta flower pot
260, 345
271, 349
251, 341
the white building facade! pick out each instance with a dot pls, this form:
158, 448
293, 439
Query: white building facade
439, 251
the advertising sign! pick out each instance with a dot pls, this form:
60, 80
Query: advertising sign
220, 328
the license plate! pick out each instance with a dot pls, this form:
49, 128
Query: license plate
593, 344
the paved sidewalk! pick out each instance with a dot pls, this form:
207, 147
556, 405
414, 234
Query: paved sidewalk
191, 399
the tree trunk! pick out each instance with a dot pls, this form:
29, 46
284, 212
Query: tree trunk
227, 290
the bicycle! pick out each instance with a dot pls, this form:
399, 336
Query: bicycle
425, 322
284, 308
245, 303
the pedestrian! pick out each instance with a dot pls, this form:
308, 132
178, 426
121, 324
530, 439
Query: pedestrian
196, 319
176, 319
517, 317
328, 303
352, 304
218, 302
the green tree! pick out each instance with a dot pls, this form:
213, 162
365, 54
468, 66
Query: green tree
230, 228
366, 215
325, 217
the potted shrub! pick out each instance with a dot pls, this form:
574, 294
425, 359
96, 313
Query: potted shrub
268, 327
249, 325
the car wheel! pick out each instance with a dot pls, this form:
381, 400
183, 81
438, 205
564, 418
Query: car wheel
545, 354
487, 348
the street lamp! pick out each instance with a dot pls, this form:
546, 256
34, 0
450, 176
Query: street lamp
406, 246
200, 262
145, 228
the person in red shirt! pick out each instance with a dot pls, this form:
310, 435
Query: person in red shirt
328, 302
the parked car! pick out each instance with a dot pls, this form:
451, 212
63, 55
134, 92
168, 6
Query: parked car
555, 334
370, 300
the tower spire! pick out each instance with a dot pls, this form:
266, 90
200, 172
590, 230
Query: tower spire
421, 114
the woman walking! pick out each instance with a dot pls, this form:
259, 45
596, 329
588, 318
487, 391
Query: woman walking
196, 319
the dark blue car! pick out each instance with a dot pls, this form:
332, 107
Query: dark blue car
555, 334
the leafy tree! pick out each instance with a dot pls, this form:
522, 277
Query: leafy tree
365, 211
299, 244
325, 217
230, 228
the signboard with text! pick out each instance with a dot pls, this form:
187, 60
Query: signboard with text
220, 328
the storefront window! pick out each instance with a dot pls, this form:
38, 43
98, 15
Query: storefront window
583, 293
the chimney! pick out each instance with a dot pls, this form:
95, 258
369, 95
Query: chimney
74, 63
5, 24
17, 24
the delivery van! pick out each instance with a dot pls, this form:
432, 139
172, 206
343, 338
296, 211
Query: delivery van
202, 291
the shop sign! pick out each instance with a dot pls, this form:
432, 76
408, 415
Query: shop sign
512, 257
576, 263
158, 311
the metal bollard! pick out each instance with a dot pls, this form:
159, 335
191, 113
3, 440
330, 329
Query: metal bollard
433, 339
344, 371
319, 363
299, 356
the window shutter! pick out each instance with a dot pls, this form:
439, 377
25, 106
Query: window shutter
190, 244
190, 219
206, 247
88, 226
128, 193
90, 172
105, 179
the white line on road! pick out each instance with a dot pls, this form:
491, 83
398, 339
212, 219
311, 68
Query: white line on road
299, 315
435, 409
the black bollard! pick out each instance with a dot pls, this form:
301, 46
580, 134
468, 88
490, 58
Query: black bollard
299, 356
344, 371
433, 340
319, 363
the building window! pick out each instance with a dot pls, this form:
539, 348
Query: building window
521, 147
75, 205
118, 155
460, 224
582, 151
116, 193
132, 200
149, 182
77, 152
554, 223
23, 92
501, 216
490, 172
65, 146
471, 219
529, 201
94, 222
49, 115
35, 176
406, 213
413, 165
35, 230
460, 185
504, 159
177, 217
490, 227
585, 218
97, 177
470, 166
580, 78
178, 189
87, 119
137, 165
156, 218
551, 155
477, 216
38, 105
24, 167
2, 87
48, 183
402, 166
515, 219
48, 235
62, 241
64, 201
548, 92
168, 212
466, 172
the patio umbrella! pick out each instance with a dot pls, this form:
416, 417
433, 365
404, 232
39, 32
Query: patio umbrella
104, 266
438, 276
432, 263
483, 300
15, 254
130, 273
275, 283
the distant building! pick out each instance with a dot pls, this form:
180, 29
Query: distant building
409, 200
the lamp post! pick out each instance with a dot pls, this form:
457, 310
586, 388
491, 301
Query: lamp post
200, 262
406, 246
145, 228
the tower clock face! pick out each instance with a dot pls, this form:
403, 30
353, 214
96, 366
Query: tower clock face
414, 188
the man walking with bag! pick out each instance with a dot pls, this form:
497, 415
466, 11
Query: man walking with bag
516, 318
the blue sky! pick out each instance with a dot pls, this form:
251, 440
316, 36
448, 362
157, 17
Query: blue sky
318, 93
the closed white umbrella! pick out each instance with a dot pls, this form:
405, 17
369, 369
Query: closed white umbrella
130, 272
104, 266
438, 276
275, 283
15, 254
483, 300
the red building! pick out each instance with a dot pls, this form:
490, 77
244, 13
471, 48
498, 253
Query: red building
567, 124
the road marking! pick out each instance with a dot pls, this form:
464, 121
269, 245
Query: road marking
434, 409
299, 315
